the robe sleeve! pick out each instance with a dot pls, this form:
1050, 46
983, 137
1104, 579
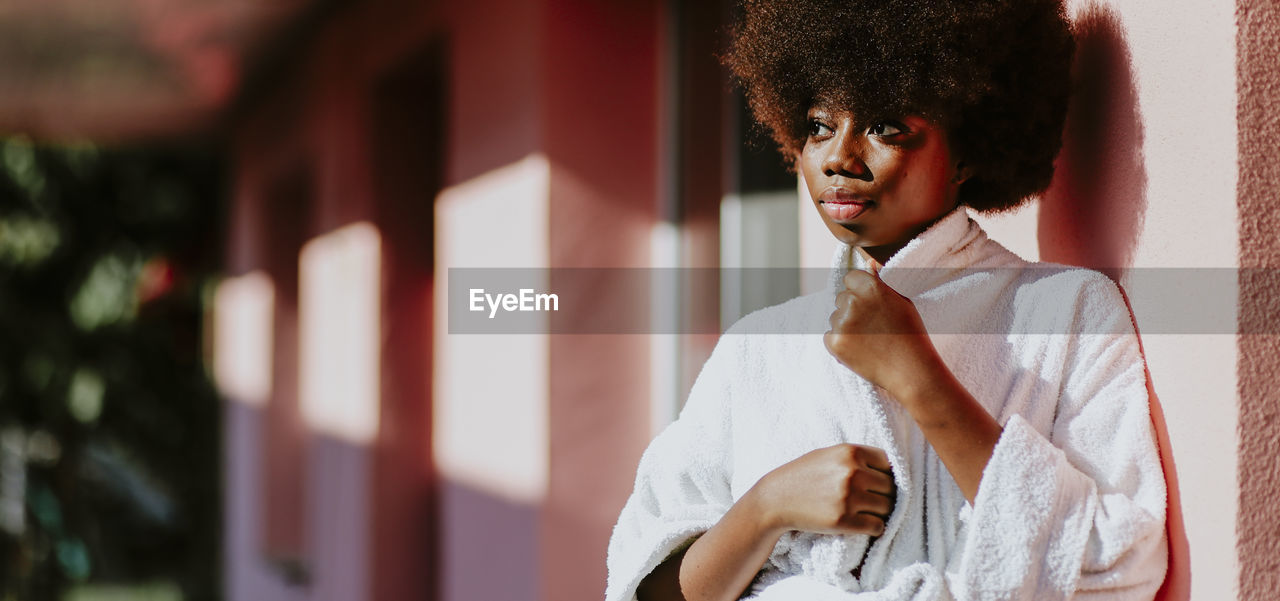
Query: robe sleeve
1077, 512
682, 484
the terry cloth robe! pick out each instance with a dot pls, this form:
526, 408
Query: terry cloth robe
1071, 503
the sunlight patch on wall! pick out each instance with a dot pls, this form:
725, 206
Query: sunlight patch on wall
243, 325
339, 331
664, 307
491, 390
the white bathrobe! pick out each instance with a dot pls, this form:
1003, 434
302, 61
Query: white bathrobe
1072, 501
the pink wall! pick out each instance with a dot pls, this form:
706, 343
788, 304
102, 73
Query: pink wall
360, 516
489, 541
576, 82
600, 133
570, 90
1258, 113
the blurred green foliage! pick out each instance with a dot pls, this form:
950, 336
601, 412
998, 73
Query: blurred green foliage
109, 427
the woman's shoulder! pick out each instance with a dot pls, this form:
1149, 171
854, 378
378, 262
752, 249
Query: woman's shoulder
991, 254
1048, 276
1089, 300
1046, 292
1082, 282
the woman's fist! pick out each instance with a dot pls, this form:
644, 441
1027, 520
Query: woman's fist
878, 333
843, 489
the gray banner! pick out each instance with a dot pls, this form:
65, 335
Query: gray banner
974, 301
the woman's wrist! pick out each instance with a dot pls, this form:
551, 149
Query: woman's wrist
760, 504
920, 380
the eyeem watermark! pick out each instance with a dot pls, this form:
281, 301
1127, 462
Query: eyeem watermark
1019, 301
526, 300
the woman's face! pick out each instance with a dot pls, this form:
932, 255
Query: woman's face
877, 185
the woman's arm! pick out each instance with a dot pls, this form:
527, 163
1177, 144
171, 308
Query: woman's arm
956, 425
842, 489
878, 334
721, 563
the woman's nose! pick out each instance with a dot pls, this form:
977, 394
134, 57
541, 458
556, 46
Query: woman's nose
844, 157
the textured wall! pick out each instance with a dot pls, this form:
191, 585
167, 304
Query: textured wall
1258, 86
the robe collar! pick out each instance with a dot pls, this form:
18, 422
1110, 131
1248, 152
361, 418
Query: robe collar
929, 259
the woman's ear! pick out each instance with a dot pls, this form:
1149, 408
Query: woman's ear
962, 173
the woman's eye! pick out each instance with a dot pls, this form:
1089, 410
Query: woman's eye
885, 129
818, 128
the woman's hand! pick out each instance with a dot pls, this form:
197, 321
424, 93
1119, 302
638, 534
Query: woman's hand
878, 333
843, 489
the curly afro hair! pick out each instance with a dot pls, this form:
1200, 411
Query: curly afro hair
996, 74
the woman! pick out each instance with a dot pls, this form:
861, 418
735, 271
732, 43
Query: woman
886, 459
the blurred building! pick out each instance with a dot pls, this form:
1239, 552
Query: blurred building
370, 454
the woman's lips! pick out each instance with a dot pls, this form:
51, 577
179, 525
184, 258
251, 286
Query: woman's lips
844, 211
843, 205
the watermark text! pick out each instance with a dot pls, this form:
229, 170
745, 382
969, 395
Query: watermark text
526, 300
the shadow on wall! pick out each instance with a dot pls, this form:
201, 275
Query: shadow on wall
1092, 213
